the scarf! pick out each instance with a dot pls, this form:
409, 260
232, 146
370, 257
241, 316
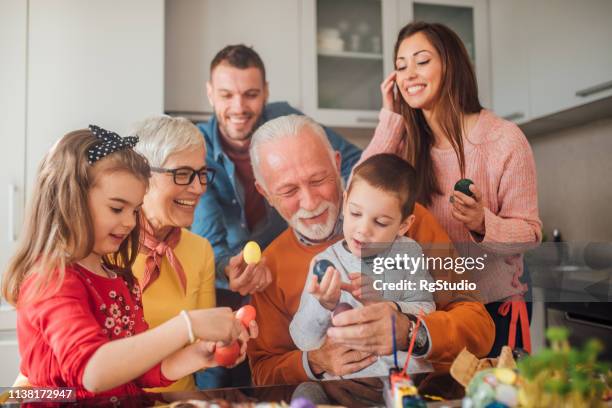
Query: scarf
156, 250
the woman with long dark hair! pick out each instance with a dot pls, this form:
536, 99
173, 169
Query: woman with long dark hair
432, 117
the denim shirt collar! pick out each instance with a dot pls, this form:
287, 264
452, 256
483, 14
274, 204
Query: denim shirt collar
215, 139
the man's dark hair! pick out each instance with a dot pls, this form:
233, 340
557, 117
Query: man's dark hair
239, 56
391, 174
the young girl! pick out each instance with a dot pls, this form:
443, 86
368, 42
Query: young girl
79, 312
432, 117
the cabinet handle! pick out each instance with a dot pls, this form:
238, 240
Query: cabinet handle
594, 89
514, 116
363, 119
12, 193
570, 318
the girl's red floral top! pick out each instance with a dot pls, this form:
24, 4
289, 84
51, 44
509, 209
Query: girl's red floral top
59, 334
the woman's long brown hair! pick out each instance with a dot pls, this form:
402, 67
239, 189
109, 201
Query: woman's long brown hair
457, 96
58, 230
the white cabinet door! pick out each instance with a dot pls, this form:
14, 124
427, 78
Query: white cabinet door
509, 60
569, 52
197, 29
9, 351
346, 52
9, 355
470, 20
91, 62
13, 37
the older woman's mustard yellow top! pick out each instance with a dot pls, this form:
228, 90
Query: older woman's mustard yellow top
164, 298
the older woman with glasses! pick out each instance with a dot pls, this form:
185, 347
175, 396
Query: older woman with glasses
175, 268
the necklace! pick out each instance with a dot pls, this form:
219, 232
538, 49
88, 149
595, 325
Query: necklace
107, 273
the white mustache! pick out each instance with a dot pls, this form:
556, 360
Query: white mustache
315, 231
302, 213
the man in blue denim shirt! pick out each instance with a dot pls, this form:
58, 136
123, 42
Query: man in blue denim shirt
232, 212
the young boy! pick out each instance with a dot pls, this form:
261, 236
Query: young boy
377, 211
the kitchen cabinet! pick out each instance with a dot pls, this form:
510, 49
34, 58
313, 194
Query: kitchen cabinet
60, 72
570, 62
347, 49
66, 64
13, 27
13, 35
509, 60
197, 29
557, 61
9, 351
91, 63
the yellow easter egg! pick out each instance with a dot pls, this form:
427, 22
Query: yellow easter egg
505, 375
251, 252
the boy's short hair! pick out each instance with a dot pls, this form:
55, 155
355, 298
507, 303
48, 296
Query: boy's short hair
239, 56
391, 174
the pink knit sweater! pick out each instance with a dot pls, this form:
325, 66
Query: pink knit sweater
500, 162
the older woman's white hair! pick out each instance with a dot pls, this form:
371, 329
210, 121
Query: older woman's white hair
281, 127
162, 136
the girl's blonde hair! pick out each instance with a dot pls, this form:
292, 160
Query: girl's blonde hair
58, 230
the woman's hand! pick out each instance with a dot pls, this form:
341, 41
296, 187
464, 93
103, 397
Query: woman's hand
217, 325
469, 210
328, 292
390, 100
246, 334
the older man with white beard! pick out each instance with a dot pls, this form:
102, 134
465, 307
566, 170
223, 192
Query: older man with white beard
298, 172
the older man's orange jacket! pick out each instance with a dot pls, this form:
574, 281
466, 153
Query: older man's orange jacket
275, 359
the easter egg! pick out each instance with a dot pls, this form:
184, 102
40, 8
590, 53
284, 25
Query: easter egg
320, 267
492, 388
505, 375
302, 402
507, 395
251, 253
463, 186
246, 314
340, 308
226, 356
413, 402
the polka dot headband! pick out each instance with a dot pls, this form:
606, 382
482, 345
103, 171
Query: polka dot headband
109, 142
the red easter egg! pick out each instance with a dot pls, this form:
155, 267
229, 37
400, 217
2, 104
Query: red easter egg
246, 314
227, 356
342, 307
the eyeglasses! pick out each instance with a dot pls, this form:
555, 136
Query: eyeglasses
183, 176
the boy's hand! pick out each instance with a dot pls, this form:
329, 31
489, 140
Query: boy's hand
328, 292
362, 288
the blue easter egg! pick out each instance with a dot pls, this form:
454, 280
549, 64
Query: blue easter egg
320, 267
